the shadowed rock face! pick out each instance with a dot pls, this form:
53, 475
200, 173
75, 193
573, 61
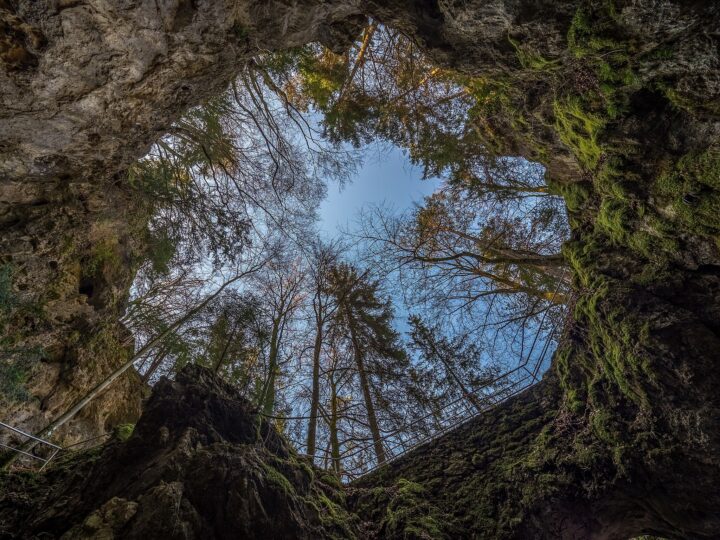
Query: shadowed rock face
199, 465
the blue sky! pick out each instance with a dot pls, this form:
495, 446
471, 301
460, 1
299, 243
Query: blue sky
386, 176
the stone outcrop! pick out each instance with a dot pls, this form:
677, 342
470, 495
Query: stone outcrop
199, 464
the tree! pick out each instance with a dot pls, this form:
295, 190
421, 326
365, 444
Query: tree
324, 257
387, 88
337, 377
281, 288
474, 248
367, 321
455, 364
475, 265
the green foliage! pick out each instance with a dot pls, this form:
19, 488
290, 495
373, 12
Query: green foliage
155, 178
322, 75
362, 311
161, 248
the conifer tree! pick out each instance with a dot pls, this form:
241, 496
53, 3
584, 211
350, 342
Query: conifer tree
367, 320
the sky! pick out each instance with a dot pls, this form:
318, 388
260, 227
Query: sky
386, 176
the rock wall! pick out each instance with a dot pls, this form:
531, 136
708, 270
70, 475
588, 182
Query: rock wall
198, 465
623, 437
69, 253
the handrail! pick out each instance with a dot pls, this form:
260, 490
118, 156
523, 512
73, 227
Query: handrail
45, 461
457, 418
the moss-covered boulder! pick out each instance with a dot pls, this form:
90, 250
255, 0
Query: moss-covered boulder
199, 464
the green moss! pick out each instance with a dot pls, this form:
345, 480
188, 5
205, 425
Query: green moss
239, 31
581, 257
410, 516
692, 188
16, 367
103, 255
105, 343
579, 130
576, 195
586, 34
683, 101
613, 220
596, 37
122, 432
329, 477
275, 477
531, 59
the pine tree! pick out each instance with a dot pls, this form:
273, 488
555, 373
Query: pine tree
367, 320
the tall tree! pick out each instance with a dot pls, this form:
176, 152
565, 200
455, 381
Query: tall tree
281, 288
367, 321
323, 258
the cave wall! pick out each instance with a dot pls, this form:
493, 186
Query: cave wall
622, 438
69, 252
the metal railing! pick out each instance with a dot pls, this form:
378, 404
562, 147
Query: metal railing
404, 439
54, 448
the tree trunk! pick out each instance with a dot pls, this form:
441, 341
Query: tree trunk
155, 364
333, 429
315, 398
221, 358
469, 396
268, 400
367, 396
